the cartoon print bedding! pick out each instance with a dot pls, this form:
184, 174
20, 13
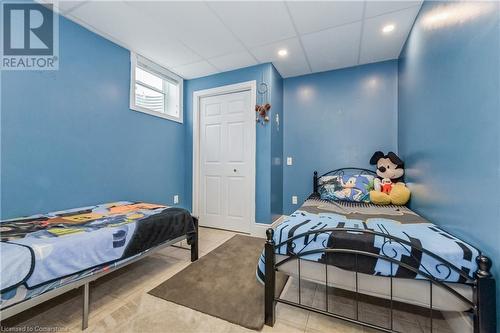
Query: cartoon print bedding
401, 222
41, 252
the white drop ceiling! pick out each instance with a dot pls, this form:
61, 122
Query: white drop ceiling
195, 39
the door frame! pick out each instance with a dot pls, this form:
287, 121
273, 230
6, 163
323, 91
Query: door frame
222, 90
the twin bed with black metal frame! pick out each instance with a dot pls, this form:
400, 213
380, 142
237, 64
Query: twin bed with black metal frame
118, 234
361, 252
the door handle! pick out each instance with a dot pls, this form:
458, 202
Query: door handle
234, 170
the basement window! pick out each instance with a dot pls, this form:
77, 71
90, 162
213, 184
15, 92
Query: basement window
155, 90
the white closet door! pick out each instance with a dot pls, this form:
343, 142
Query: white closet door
226, 161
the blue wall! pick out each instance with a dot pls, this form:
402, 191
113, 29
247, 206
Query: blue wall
259, 73
336, 119
276, 144
69, 138
449, 121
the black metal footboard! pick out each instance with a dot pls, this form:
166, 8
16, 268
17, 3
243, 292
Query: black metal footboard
482, 305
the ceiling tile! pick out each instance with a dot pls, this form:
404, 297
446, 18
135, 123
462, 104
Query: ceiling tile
287, 70
194, 24
294, 63
167, 52
255, 23
375, 8
62, 7
134, 30
183, 35
377, 46
197, 69
333, 48
310, 16
67, 6
233, 61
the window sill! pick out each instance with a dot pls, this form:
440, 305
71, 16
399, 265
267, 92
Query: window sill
156, 114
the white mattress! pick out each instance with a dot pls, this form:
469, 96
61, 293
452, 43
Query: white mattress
411, 291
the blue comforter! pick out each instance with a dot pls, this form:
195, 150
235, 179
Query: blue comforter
400, 222
42, 249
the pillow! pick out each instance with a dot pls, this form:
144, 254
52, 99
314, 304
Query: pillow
354, 187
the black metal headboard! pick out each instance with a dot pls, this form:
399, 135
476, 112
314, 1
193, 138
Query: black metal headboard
339, 172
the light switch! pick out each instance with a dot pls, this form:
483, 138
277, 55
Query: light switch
176, 199
289, 161
294, 199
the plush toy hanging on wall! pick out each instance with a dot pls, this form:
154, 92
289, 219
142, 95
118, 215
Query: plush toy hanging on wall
263, 108
389, 187
262, 111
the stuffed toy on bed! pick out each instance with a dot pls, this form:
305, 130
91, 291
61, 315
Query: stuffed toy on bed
389, 187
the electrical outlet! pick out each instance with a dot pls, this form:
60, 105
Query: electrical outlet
176, 199
289, 161
294, 199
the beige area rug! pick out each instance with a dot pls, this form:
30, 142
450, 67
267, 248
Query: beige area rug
223, 283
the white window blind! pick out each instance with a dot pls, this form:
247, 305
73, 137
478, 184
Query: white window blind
155, 90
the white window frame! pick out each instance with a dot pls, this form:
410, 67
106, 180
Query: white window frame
165, 74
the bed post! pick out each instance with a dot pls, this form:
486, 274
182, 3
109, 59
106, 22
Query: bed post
86, 299
484, 298
194, 244
315, 183
269, 280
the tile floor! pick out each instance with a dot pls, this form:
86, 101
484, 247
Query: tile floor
120, 303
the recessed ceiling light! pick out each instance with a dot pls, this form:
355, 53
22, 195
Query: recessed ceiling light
388, 28
282, 52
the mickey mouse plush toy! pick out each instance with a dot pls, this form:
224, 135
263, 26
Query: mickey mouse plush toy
389, 187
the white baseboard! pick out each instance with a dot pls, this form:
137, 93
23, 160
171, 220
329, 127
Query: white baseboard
259, 229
